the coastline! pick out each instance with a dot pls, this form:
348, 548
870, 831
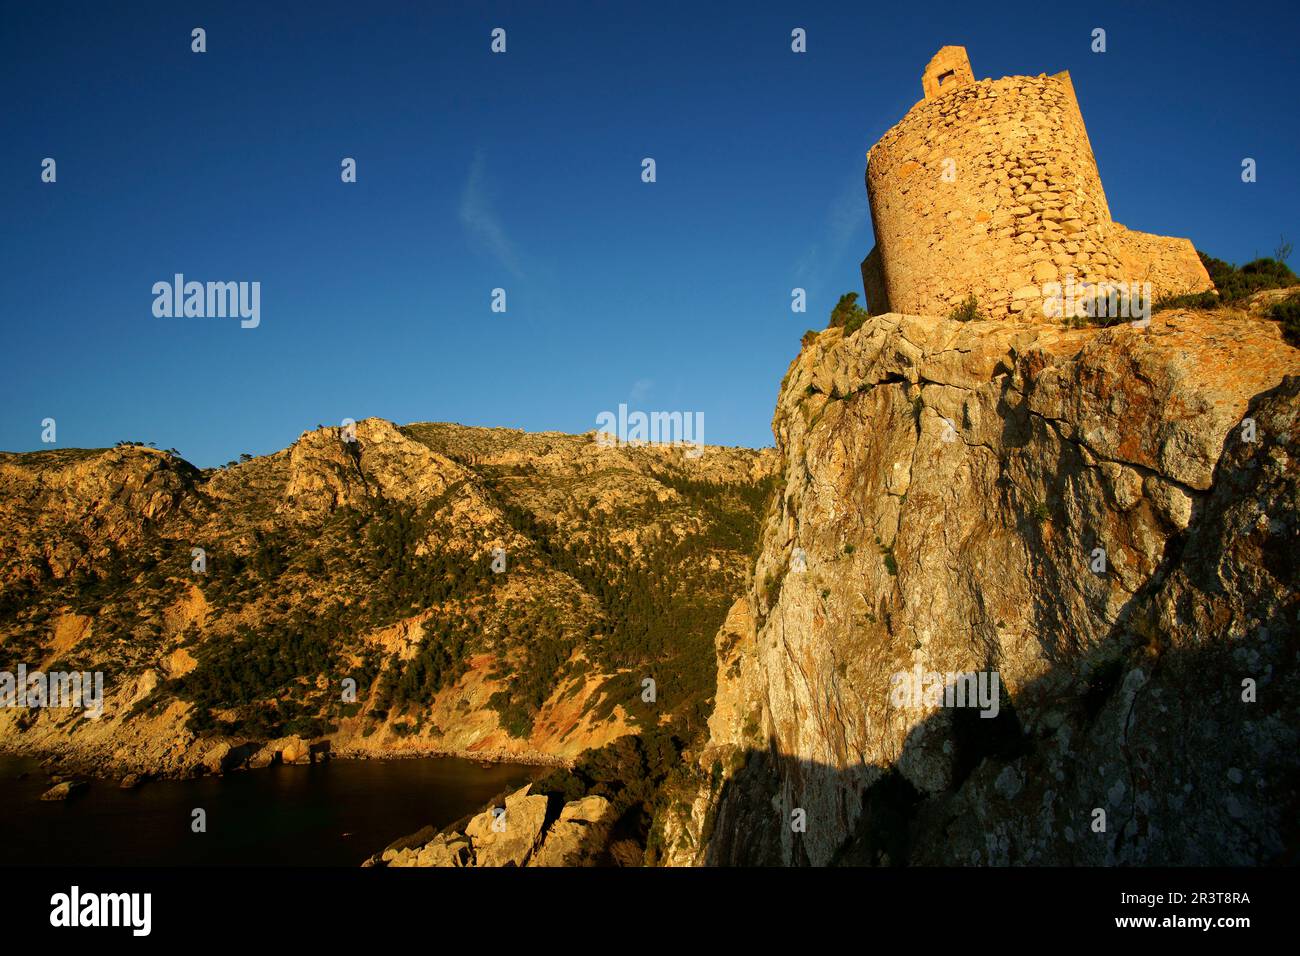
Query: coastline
69, 761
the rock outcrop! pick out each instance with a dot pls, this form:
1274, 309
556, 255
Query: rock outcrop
507, 836
1105, 520
578, 836
519, 832
64, 790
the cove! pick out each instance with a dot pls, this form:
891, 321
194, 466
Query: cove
333, 814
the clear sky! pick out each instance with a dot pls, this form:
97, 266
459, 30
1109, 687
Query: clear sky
523, 171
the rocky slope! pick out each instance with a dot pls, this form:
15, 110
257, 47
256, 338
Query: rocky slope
1106, 519
346, 599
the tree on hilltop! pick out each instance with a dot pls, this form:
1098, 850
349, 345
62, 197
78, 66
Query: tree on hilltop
847, 314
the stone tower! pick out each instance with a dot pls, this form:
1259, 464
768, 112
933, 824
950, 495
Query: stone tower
989, 187
948, 69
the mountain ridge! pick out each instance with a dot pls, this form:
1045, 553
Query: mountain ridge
369, 559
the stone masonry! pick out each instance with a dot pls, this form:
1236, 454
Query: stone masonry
990, 188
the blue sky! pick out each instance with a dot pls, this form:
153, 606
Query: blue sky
523, 171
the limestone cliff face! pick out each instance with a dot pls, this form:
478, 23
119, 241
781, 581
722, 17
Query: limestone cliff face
1087, 514
110, 496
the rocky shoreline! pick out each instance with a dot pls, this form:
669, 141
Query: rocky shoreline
67, 763
523, 829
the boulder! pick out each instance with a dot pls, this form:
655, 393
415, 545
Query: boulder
509, 841
579, 836
400, 857
459, 850
290, 750
444, 850
64, 790
295, 750
215, 759
225, 756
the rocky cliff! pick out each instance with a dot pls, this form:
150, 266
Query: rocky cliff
404, 590
1105, 520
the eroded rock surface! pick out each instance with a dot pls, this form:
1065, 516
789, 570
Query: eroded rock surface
1084, 514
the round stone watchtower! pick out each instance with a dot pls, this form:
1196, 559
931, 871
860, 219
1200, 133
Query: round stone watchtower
989, 188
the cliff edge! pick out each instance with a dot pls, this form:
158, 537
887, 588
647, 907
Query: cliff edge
1097, 527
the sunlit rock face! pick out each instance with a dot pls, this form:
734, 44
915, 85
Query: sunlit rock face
372, 590
1103, 519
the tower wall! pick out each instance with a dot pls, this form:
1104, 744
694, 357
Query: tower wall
989, 188
1171, 265
873, 283
1019, 203
948, 68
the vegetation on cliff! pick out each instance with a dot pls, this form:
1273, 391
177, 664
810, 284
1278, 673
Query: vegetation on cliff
260, 594
1238, 285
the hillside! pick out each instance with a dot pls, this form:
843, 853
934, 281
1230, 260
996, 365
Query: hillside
371, 561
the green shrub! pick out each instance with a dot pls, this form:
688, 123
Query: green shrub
1287, 312
890, 564
1111, 306
967, 311
1194, 300
1234, 284
771, 589
847, 314
630, 772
